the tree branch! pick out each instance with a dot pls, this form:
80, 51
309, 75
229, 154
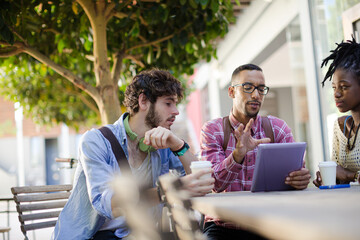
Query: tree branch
116, 69
17, 34
137, 61
9, 50
158, 40
50, 30
132, 16
79, 82
109, 11
88, 7
150, 43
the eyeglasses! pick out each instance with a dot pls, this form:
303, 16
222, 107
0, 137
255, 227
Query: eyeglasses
250, 88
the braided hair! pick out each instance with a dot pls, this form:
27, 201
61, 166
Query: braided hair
346, 56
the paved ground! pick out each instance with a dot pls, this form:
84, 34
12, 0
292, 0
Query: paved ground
15, 232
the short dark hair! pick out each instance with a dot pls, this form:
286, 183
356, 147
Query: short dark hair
248, 66
153, 83
345, 56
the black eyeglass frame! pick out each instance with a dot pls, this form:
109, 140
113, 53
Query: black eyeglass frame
266, 88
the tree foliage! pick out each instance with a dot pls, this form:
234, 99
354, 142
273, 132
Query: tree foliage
70, 61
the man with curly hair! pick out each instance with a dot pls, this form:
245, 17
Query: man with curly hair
151, 149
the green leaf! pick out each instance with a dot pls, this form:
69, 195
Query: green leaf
188, 48
135, 30
214, 6
149, 56
61, 45
193, 4
204, 3
182, 2
165, 15
158, 54
170, 48
75, 8
88, 45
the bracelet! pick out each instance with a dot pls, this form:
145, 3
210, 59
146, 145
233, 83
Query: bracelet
182, 150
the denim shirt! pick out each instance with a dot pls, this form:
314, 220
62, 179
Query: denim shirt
89, 204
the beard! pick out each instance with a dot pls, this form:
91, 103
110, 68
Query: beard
152, 118
251, 115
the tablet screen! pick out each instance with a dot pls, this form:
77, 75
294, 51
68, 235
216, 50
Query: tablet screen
273, 164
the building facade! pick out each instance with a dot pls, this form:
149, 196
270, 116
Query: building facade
287, 39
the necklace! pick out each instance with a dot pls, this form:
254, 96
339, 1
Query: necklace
349, 146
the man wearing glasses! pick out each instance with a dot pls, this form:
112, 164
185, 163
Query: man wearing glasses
234, 162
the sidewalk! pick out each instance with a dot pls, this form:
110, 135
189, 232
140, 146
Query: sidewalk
15, 232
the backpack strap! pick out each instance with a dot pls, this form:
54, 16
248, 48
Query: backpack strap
116, 148
227, 128
266, 125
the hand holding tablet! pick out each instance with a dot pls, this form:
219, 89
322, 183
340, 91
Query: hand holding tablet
273, 164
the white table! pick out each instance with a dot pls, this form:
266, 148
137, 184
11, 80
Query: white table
307, 214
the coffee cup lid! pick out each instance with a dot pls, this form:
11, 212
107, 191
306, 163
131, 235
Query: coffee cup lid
200, 164
327, 164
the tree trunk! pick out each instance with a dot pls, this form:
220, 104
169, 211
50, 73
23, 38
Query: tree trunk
109, 105
108, 101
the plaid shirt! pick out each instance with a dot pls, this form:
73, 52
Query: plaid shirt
229, 175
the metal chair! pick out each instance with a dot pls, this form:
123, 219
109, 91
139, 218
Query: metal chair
4, 230
39, 206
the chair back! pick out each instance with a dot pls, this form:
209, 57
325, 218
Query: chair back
182, 215
131, 201
39, 206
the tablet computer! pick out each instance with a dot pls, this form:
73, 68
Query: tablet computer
273, 164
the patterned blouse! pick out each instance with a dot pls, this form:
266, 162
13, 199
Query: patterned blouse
341, 154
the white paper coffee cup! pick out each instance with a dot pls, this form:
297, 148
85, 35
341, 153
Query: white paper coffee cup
328, 173
200, 165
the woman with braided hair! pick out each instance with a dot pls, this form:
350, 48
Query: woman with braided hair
345, 74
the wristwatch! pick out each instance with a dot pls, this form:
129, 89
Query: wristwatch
182, 150
357, 176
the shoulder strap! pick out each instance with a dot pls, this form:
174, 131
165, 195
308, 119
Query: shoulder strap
266, 125
342, 123
116, 148
227, 130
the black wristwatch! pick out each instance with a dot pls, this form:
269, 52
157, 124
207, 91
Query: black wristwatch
182, 150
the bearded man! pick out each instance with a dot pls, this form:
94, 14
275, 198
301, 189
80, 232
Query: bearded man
151, 149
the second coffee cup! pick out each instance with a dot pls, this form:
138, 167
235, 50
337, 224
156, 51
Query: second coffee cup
200, 165
328, 173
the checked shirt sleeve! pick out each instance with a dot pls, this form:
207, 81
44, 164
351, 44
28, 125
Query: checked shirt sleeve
226, 170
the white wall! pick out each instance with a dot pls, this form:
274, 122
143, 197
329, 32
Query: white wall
255, 29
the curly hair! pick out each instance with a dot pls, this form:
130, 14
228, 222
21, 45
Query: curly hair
153, 83
345, 56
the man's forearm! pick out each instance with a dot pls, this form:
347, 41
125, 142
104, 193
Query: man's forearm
186, 160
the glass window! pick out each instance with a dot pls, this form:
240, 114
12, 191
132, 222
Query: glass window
327, 23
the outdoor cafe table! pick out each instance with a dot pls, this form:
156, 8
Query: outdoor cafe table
300, 214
